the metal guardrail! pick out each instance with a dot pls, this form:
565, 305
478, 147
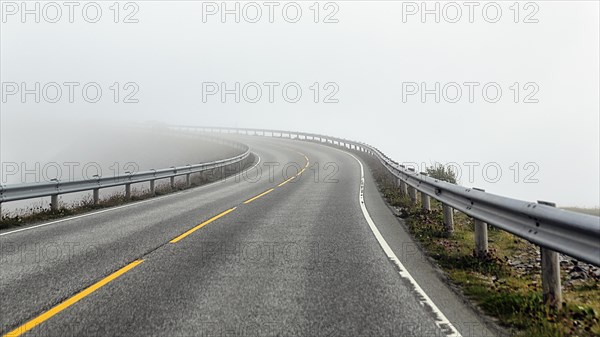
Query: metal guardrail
53, 189
554, 230
570, 233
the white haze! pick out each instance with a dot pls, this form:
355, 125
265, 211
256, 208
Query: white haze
369, 54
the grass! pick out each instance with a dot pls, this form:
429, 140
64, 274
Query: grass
42, 212
512, 296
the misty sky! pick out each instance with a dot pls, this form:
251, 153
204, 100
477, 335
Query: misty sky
365, 61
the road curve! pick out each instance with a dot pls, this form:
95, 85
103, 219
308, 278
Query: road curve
258, 256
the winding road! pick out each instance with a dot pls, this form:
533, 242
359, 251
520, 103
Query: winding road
301, 244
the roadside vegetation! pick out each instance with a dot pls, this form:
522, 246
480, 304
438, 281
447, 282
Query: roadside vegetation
590, 211
506, 283
41, 211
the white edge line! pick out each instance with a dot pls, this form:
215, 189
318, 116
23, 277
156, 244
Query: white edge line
440, 319
130, 204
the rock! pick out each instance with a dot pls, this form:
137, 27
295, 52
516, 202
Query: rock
578, 276
577, 273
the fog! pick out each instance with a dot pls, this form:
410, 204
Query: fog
537, 140
69, 151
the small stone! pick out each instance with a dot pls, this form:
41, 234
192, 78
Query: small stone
577, 273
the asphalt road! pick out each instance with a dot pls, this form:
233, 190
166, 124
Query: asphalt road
301, 260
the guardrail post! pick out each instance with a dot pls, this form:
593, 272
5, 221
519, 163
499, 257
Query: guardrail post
551, 288
448, 218
403, 188
172, 183
188, 182
96, 196
152, 187
412, 193
54, 202
425, 200
481, 234
127, 191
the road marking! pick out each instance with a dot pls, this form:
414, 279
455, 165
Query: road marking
64, 305
285, 182
440, 319
133, 203
69, 302
258, 196
180, 237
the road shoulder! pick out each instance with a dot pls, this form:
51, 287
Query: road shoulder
433, 281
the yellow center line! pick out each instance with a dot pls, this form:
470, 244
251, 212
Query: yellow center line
69, 302
285, 182
180, 237
258, 196
64, 305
